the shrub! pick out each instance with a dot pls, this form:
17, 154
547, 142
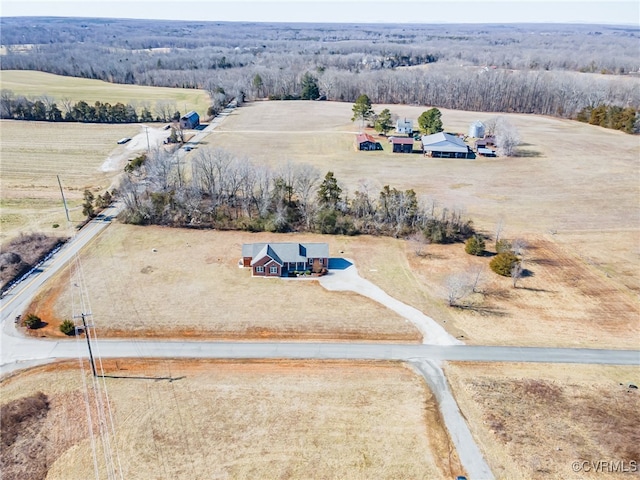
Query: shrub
474, 245
503, 246
32, 321
68, 327
503, 263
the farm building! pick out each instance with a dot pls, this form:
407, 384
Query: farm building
283, 259
404, 126
445, 145
482, 146
367, 142
476, 130
486, 152
190, 121
488, 141
402, 144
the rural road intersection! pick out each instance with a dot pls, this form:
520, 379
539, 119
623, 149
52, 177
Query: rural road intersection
18, 352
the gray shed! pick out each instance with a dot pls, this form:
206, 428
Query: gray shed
190, 121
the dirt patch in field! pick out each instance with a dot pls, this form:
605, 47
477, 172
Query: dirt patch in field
254, 419
534, 421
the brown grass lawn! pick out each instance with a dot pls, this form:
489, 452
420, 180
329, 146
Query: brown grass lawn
533, 421
239, 420
192, 287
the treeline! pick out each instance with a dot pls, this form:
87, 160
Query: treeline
21, 108
507, 68
225, 192
610, 116
90, 46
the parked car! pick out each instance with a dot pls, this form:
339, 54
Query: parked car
123, 140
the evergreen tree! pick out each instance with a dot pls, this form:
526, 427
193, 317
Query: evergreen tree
430, 121
310, 90
362, 109
474, 245
383, 122
258, 84
329, 192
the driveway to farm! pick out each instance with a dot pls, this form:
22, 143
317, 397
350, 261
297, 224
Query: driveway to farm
153, 138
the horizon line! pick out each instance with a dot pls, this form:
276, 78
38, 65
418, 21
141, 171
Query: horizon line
335, 22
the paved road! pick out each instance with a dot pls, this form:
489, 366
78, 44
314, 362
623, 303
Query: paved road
17, 349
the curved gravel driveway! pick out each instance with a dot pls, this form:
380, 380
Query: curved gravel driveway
348, 279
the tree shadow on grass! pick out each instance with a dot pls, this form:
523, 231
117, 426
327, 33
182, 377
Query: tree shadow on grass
482, 310
531, 289
524, 153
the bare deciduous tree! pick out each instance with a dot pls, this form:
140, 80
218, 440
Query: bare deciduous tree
507, 138
516, 273
458, 287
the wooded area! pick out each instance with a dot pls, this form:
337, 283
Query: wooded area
227, 192
547, 69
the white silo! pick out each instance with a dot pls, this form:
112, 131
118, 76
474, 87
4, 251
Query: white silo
476, 129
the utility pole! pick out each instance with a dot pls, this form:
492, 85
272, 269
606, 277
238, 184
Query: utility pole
64, 202
146, 129
86, 334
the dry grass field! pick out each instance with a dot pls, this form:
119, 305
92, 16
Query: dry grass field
33, 153
566, 195
85, 156
569, 176
191, 286
290, 420
33, 85
565, 301
534, 421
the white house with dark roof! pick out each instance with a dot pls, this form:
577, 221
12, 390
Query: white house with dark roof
282, 259
404, 126
445, 145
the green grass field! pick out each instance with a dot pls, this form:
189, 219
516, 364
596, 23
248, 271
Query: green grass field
33, 84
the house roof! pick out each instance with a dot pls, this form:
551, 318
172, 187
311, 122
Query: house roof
401, 140
485, 151
365, 137
443, 142
285, 252
191, 114
404, 123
